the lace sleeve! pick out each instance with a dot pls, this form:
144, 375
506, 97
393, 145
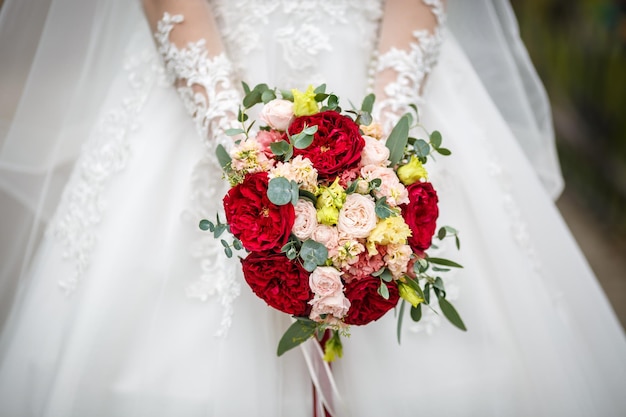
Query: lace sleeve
188, 40
410, 39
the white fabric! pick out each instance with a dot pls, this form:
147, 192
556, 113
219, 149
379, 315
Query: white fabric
130, 341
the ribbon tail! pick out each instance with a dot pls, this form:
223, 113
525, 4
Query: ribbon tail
322, 377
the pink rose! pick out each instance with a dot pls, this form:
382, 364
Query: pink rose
357, 217
325, 281
365, 266
327, 236
266, 138
374, 153
391, 186
278, 114
336, 305
306, 219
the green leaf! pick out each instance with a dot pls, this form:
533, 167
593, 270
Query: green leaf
280, 147
400, 318
421, 265
386, 275
383, 291
352, 187
451, 314
233, 132
416, 313
435, 139
444, 262
294, 192
246, 87
299, 332
365, 118
286, 95
229, 252
279, 191
301, 140
415, 109
397, 140
320, 89
438, 269
442, 233
333, 102
237, 244
267, 96
205, 224
444, 151
310, 130
375, 183
308, 195
313, 253
222, 156
439, 284
368, 104
382, 209
458, 242
422, 148
224, 243
321, 97
252, 98
427, 293
219, 229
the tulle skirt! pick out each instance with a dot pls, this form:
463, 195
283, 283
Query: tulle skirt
130, 310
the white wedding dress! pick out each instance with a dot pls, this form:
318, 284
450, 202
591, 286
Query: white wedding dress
128, 309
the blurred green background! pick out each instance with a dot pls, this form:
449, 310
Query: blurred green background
579, 50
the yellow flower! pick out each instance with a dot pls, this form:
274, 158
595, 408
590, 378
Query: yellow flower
304, 104
328, 215
412, 172
333, 348
373, 130
390, 230
409, 294
332, 196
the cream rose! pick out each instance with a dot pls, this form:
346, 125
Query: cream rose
374, 153
391, 186
325, 281
336, 305
327, 236
278, 114
357, 217
306, 219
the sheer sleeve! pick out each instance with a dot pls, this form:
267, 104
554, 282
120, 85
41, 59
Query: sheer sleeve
410, 39
188, 39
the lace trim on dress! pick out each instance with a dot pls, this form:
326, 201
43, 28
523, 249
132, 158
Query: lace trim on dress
203, 82
411, 67
104, 155
205, 85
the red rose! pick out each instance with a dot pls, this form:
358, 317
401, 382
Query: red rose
256, 221
366, 304
421, 215
281, 283
336, 146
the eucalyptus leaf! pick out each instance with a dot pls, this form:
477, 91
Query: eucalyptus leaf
458, 242
222, 156
300, 331
435, 139
383, 291
444, 262
427, 288
229, 252
365, 118
246, 87
352, 187
397, 140
320, 89
309, 265
451, 314
414, 107
308, 195
442, 233
416, 313
252, 98
321, 97
400, 318
294, 192
286, 95
444, 151
280, 148
422, 148
302, 140
205, 224
224, 243
439, 284
386, 275
237, 244
383, 210
333, 102
233, 132
219, 229
313, 251
368, 104
267, 96
279, 191
310, 130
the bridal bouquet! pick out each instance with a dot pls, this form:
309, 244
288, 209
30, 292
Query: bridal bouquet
335, 217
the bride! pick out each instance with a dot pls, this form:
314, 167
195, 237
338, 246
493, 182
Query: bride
115, 304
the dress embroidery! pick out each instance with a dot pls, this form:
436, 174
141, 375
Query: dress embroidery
104, 155
411, 67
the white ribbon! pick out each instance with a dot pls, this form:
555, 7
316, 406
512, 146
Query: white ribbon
322, 377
